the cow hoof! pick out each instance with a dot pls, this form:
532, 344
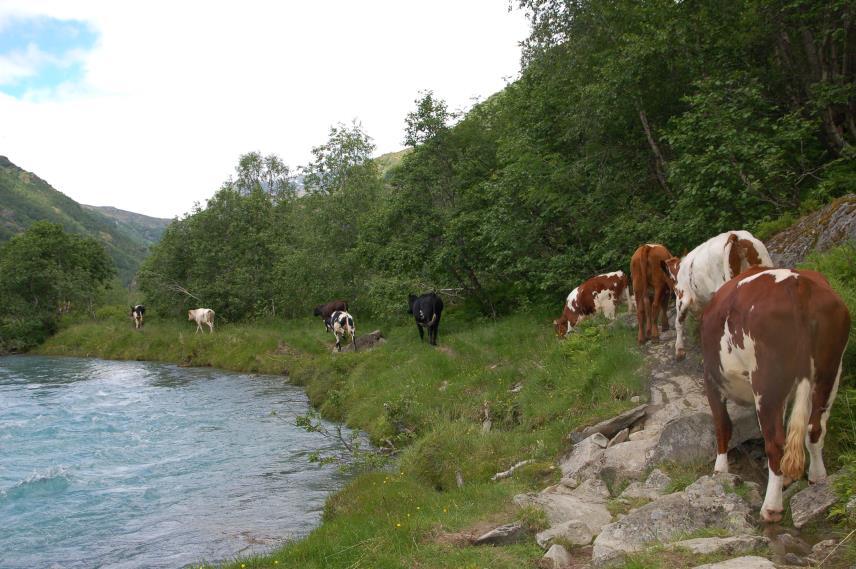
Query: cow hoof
771, 516
680, 355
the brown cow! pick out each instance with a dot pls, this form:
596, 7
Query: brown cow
327, 310
598, 294
769, 335
651, 289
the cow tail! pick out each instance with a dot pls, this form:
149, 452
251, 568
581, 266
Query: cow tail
793, 460
643, 260
433, 320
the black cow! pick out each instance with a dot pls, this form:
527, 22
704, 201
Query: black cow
426, 309
137, 313
327, 310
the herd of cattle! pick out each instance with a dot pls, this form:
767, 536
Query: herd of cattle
768, 336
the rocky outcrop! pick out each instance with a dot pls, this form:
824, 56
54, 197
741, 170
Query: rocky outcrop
710, 502
557, 557
818, 231
675, 426
502, 535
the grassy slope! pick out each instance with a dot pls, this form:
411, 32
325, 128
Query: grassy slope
430, 403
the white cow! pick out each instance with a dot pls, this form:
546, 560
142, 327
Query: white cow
706, 268
202, 316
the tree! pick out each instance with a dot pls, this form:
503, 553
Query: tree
41, 270
339, 159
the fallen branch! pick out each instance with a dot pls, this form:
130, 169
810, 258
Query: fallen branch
510, 471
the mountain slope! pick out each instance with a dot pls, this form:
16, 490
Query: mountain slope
142, 228
25, 198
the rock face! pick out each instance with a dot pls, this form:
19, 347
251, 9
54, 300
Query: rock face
811, 503
749, 562
676, 426
653, 487
818, 231
710, 502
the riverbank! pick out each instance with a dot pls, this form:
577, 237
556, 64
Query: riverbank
431, 404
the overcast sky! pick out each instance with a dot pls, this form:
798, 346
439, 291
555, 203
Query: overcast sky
147, 106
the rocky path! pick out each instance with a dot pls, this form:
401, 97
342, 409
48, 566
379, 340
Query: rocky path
613, 500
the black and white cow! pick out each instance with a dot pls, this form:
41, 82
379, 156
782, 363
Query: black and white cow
341, 324
426, 309
137, 313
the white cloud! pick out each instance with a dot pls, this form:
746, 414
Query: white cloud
174, 92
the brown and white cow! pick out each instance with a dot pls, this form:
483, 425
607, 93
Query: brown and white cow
701, 272
651, 289
202, 316
597, 295
768, 336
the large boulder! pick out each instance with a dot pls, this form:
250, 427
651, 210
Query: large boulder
365, 342
710, 502
818, 231
727, 545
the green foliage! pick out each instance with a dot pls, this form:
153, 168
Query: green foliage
44, 271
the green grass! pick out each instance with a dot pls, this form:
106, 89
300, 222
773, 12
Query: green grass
427, 402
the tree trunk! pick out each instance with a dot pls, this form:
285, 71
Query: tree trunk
660, 169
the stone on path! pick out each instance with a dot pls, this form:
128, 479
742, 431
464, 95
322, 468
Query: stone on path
727, 545
809, 504
557, 557
576, 515
653, 487
710, 502
748, 562
502, 535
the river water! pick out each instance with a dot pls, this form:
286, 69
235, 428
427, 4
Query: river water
133, 464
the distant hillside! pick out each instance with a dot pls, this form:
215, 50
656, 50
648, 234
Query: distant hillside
25, 198
141, 227
388, 161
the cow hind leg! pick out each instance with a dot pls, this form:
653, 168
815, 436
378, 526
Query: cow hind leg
823, 396
655, 314
641, 319
664, 309
421, 333
721, 422
771, 417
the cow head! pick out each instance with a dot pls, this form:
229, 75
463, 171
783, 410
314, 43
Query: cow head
190, 315
317, 311
670, 268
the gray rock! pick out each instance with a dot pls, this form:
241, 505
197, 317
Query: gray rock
816, 231
709, 502
619, 438
793, 544
509, 533
636, 399
585, 454
557, 557
692, 437
575, 532
822, 549
653, 487
850, 508
727, 545
811, 503
610, 427
748, 562
795, 560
